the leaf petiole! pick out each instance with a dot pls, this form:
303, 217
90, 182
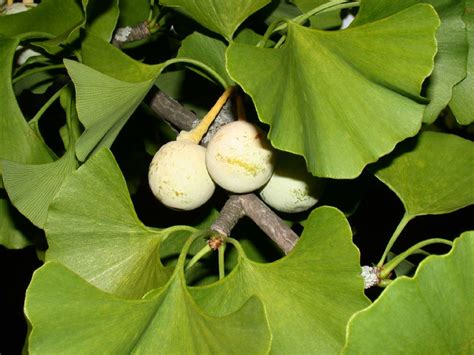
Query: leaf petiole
170, 230
221, 261
392, 264
329, 6
200, 65
34, 121
37, 70
270, 30
405, 219
200, 254
280, 42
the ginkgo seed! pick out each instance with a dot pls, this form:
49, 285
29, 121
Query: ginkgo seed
239, 158
178, 176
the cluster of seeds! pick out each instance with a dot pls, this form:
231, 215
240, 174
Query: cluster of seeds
238, 158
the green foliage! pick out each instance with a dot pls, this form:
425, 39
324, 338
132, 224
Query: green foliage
451, 40
463, 99
429, 313
206, 50
11, 235
18, 141
387, 97
132, 12
108, 247
322, 90
222, 17
321, 20
167, 321
307, 297
432, 175
53, 19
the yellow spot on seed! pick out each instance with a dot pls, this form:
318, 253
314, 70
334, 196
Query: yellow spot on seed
251, 169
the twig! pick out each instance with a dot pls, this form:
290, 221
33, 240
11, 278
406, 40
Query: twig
171, 111
131, 34
250, 205
229, 216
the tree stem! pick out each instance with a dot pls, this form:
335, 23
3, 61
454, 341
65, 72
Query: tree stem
251, 206
131, 34
171, 111
230, 214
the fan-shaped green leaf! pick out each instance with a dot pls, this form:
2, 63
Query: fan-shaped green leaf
432, 175
206, 50
430, 313
341, 99
104, 105
10, 235
31, 188
450, 61
309, 295
92, 228
18, 142
219, 16
109, 87
462, 103
87, 320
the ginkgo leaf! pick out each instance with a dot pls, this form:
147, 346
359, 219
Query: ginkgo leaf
102, 17
219, 16
18, 142
450, 61
133, 12
31, 188
111, 61
11, 236
109, 87
165, 322
104, 105
430, 313
37, 83
462, 103
432, 175
92, 228
341, 99
206, 50
309, 295
49, 19
59, 21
